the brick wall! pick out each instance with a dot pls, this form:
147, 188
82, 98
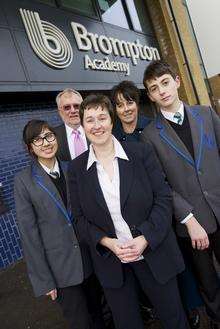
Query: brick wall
13, 157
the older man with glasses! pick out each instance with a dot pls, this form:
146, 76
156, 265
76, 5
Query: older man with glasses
70, 135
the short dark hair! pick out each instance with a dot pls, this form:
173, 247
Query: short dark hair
33, 129
128, 90
157, 68
96, 101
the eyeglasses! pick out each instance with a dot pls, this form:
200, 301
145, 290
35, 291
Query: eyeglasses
68, 107
39, 141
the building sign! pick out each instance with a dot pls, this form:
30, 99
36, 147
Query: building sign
49, 48
48, 42
53, 48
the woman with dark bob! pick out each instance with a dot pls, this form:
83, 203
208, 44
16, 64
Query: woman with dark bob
50, 245
130, 123
122, 210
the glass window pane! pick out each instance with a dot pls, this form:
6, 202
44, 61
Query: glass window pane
113, 12
47, 2
84, 6
139, 16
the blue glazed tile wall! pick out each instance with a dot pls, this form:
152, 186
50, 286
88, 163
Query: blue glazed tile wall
13, 157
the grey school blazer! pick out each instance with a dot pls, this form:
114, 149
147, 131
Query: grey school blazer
51, 249
195, 182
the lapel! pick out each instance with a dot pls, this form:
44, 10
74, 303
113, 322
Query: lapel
92, 178
197, 132
126, 177
126, 173
168, 135
64, 147
64, 166
88, 142
45, 183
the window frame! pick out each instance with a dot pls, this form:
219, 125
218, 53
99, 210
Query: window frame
79, 12
54, 4
98, 14
146, 10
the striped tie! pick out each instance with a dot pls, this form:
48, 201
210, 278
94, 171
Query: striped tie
54, 174
178, 118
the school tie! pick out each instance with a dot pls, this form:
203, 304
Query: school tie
78, 143
54, 174
178, 118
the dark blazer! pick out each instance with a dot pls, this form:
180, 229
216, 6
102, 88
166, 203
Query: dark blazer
195, 182
145, 205
119, 133
50, 245
63, 152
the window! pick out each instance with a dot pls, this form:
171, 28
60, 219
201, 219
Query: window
47, 2
138, 15
112, 12
83, 6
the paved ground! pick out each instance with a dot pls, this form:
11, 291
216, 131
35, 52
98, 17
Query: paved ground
20, 310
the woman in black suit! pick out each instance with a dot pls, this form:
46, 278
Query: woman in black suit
122, 209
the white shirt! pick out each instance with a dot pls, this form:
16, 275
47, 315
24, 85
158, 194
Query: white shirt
111, 190
170, 116
54, 169
70, 139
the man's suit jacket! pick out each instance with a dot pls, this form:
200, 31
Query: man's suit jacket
195, 182
50, 245
63, 152
145, 206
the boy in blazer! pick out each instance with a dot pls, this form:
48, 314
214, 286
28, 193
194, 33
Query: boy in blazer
187, 142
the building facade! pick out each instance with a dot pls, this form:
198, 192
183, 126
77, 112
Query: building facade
48, 45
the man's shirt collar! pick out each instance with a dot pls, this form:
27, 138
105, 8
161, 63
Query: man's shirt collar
170, 115
69, 130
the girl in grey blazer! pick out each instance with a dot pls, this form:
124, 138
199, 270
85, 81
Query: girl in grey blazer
56, 265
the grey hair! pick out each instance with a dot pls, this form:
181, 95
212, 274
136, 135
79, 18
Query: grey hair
67, 91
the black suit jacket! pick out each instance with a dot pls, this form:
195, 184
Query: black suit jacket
63, 152
145, 205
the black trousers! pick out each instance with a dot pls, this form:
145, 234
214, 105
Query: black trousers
188, 286
205, 272
81, 305
165, 298
73, 303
